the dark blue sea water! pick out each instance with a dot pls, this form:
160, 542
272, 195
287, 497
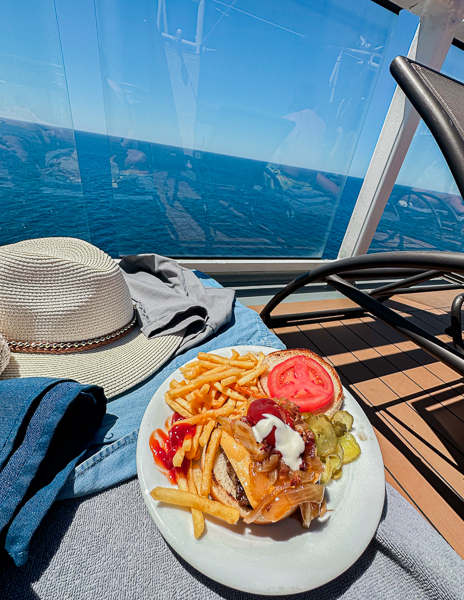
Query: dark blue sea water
127, 196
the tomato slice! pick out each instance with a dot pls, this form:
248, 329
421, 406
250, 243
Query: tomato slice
304, 381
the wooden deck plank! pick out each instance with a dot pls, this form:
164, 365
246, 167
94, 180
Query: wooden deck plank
437, 299
305, 306
422, 440
428, 372
423, 494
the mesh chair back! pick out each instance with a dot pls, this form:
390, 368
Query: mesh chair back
439, 100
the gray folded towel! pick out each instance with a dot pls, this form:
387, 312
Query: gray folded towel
107, 546
171, 299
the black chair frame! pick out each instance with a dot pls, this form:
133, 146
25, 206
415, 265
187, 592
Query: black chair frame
427, 266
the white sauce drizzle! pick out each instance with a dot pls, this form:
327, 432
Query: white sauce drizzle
288, 441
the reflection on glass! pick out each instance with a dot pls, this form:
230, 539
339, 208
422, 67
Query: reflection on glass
40, 183
425, 210
232, 125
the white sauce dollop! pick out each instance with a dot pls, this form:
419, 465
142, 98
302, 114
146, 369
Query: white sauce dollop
288, 441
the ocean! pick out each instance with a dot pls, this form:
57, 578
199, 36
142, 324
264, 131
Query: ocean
129, 197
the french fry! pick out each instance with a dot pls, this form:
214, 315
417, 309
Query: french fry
198, 383
252, 375
197, 395
219, 401
205, 389
206, 364
185, 404
189, 366
246, 391
251, 356
228, 381
207, 429
235, 395
187, 444
214, 358
176, 407
261, 357
179, 457
211, 451
210, 507
224, 411
196, 472
174, 384
182, 483
193, 374
195, 441
197, 516
235, 354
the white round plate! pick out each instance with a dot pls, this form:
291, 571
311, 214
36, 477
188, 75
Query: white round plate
282, 558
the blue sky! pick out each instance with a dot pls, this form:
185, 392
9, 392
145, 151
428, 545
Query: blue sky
267, 85
241, 103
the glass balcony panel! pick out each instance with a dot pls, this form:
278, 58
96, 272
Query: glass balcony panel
232, 125
40, 183
425, 210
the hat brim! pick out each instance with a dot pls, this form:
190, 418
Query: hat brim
116, 367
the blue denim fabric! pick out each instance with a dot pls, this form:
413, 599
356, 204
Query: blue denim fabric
112, 457
46, 427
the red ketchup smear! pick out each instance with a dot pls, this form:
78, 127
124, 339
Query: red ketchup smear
257, 410
164, 446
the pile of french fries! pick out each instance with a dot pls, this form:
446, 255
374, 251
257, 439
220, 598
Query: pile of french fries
213, 387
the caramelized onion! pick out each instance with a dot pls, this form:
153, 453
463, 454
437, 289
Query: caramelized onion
273, 476
306, 513
312, 510
268, 464
226, 424
244, 435
258, 511
314, 464
307, 476
305, 493
323, 508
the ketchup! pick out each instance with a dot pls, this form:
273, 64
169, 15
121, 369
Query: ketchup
164, 446
262, 406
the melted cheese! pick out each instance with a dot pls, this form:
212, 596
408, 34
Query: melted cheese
241, 463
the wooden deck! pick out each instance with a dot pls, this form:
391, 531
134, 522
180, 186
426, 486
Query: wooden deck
415, 403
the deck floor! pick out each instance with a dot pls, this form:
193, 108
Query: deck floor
414, 402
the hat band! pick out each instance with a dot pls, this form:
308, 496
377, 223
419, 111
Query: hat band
67, 347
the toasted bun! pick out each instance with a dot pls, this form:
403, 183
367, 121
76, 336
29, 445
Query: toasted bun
223, 490
276, 358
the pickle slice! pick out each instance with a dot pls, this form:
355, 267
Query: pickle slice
326, 439
337, 474
343, 417
351, 449
327, 474
339, 428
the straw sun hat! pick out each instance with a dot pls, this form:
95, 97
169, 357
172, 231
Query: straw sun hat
66, 312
